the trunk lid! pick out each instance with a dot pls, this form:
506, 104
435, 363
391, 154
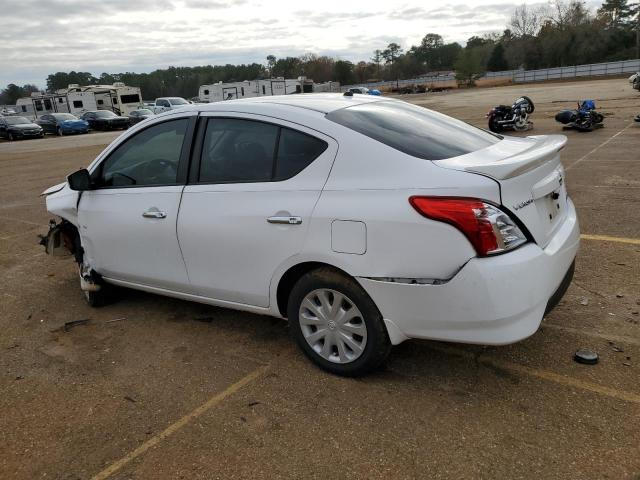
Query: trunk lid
530, 176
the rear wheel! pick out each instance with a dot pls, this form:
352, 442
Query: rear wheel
494, 126
336, 324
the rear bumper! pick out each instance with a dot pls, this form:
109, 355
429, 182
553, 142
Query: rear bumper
492, 301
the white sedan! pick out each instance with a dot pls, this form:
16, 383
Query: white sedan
364, 221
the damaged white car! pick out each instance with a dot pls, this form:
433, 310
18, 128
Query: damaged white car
362, 220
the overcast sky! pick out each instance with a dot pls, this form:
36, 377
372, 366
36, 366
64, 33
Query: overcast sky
38, 37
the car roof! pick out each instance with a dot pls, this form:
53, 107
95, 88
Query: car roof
319, 102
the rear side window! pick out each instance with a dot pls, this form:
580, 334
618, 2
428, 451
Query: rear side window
296, 151
414, 130
245, 151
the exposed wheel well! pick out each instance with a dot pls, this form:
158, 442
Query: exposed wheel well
290, 278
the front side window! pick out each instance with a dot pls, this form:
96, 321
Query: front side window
414, 130
151, 157
243, 151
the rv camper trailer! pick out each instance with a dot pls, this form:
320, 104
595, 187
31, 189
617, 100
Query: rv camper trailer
77, 99
218, 92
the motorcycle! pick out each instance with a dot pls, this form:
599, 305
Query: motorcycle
585, 118
514, 117
634, 80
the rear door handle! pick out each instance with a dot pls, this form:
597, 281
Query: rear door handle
154, 213
286, 220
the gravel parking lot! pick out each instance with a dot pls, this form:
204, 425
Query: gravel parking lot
153, 387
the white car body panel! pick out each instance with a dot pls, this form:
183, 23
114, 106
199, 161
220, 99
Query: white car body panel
218, 248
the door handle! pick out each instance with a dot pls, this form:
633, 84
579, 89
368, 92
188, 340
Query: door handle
288, 220
154, 213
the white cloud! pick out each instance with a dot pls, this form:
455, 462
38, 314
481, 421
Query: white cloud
38, 37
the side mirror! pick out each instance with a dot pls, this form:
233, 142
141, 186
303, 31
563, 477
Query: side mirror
80, 180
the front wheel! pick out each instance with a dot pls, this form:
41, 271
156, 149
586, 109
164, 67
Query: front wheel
336, 324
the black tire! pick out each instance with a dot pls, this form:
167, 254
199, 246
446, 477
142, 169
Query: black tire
494, 126
377, 345
102, 297
59, 131
531, 108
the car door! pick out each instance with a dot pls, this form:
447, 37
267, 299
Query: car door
128, 220
45, 122
254, 184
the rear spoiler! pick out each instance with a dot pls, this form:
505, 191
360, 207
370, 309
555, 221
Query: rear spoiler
545, 148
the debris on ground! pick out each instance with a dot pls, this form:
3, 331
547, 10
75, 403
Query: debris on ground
129, 399
69, 325
205, 319
253, 404
584, 301
586, 357
619, 295
115, 320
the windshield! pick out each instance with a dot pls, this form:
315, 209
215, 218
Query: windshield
16, 120
64, 116
414, 130
105, 114
178, 101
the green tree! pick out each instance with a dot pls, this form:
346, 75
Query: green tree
468, 66
343, 72
497, 62
615, 12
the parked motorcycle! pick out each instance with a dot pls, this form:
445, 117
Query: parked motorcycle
634, 80
514, 117
585, 118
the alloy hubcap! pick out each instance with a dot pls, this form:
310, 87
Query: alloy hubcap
333, 326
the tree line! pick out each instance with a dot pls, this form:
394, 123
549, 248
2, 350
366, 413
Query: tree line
560, 33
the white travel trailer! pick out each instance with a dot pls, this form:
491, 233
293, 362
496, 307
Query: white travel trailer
77, 99
218, 92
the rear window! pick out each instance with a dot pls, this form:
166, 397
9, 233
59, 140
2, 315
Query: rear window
414, 130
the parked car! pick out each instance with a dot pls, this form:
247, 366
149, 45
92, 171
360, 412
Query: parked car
364, 221
62, 124
137, 116
360, 90
164, 104
105, 120
15, 128
8, 111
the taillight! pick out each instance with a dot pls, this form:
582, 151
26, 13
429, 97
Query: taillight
488, 228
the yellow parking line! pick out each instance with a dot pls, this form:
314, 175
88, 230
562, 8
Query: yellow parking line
212, 402
606, 238
542, 374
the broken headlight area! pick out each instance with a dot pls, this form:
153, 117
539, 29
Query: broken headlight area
62, 240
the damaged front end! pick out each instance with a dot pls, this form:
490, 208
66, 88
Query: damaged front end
63, 238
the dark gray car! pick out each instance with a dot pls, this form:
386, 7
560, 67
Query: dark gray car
14, 128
